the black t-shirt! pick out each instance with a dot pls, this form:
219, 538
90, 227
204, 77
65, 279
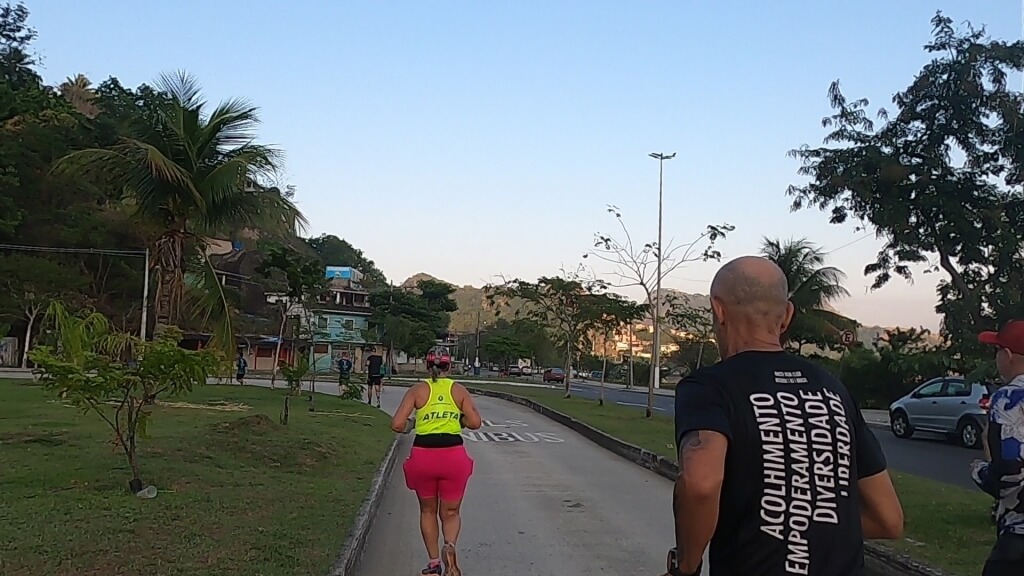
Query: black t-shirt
374, 363
798, 444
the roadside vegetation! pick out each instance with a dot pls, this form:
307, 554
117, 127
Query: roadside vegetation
237, 492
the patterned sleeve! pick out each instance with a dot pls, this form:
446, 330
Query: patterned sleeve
1002, 475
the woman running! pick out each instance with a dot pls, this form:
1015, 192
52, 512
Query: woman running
438, 467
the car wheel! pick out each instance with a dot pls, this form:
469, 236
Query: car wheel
900, 425
969, 433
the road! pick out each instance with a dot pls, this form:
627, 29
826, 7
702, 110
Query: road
542, 501
930, 456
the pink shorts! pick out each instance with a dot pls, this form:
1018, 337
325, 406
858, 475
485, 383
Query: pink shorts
438, 472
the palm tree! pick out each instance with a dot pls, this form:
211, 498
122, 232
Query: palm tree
813, 286
194, 172
79, 93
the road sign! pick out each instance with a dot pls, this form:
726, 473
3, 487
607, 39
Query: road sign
847, 337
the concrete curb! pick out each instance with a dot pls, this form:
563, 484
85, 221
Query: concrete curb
879, 560
352, 550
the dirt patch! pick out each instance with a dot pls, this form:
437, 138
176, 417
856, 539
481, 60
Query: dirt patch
44, 438
258, 423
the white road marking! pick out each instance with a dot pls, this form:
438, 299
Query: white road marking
639, 405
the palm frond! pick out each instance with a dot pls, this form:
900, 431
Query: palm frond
211, 306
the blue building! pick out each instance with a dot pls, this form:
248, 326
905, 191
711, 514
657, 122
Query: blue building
341, 320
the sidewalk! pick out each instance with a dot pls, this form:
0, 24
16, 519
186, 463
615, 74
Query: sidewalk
876, 418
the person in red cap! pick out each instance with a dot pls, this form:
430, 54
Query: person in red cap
1003, 476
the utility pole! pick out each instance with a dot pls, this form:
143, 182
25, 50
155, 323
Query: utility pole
656, 353
145, 298
476, 360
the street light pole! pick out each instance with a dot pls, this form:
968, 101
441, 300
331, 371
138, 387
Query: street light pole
656, 353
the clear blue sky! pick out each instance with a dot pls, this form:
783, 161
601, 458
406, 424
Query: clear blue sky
469, 139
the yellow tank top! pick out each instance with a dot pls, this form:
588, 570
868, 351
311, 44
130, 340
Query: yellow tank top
440, 415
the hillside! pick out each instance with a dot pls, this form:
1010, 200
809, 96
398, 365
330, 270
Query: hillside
471, 301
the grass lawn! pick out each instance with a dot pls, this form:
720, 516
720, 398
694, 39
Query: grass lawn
239, 494
947, 527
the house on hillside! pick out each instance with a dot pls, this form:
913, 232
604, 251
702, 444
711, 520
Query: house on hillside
341, 319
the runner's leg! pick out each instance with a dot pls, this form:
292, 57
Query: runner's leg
428, 526
458, 467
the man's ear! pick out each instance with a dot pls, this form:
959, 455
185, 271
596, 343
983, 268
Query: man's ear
787, 319
718, 310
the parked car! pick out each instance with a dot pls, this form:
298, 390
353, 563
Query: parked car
515, 371
527, 371
554, 375
946, 405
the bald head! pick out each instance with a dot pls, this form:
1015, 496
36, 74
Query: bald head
752, 286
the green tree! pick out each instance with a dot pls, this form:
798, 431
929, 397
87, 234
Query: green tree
295, 279
334, 251
635, 263
115, 375
939, 179
612, 311
196, 173
566, 306
30, 285
694, 333
507, 348
813, 287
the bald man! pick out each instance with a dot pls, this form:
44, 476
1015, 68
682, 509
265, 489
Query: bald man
777, 468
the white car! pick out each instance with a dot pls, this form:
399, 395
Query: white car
527, 371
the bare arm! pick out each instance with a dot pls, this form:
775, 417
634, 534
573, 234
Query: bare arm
696, 497
881, 514
470, 416
401, 418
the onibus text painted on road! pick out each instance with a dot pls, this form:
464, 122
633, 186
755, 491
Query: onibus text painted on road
512, 433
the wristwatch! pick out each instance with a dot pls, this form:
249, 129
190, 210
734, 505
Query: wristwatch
675, 571
673, 565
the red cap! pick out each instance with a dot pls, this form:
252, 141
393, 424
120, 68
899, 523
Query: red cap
1010, 336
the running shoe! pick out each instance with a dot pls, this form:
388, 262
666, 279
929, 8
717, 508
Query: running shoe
451, 562
433, 569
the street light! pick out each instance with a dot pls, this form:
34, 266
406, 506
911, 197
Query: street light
656, 353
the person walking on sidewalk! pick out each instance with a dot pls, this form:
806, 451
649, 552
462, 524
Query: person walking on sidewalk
438, 468
344, 373
374, 379
777, 468
1002, 477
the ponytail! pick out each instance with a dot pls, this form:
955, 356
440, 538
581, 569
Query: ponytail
434, 373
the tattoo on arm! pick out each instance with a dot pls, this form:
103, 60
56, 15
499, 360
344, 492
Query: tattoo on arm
689, 442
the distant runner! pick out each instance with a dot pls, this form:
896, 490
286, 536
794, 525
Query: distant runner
438, 467
344, 372
374, 365
240, 365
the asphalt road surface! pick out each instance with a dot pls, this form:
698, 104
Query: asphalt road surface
542, 501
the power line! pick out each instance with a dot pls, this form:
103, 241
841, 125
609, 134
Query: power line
851, 243
64, 250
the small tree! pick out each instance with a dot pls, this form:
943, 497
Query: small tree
116, 375
297, 277
567, 306
637, 265
612, 312
505, 347
695, 324
29, 284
